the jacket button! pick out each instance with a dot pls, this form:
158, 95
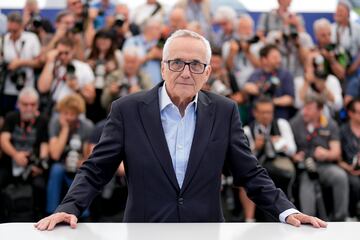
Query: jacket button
180, 201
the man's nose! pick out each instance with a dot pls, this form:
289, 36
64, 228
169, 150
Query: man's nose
186, 72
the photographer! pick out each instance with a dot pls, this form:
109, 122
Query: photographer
317, 81
272, 81
350, 142
104, 9
20, 50
318, 146
337, 59
132, 79
294, 46
150, 46
63, 75
272, 141
280, 19
67, 27
106, 61
241, 52
69, 135
224, 20
24, 140
36, 23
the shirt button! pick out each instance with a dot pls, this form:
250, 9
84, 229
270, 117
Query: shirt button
180, 147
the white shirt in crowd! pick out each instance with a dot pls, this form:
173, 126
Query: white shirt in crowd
83, 74
332, 84
285, 143
26, 47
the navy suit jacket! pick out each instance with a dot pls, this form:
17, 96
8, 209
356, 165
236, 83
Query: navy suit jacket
133, 133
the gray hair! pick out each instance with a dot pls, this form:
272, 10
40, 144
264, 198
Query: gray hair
321, 23
29, 91
186, 33
244, 17
225, 13
132, 51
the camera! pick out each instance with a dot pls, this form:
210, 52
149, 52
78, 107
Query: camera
18, 77
310, 167
70, 71
249, 41
73, 155
78, 27
36, 21
320, 69
119, 20
270, 86
218, 87
34, 161
161, 42
355, 162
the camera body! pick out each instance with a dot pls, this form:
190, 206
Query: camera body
18, 78
34, 161
249, 41
119, 20
74, 153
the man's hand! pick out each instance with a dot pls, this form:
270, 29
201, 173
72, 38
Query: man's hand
51, 221
321, 153
21, 158
299, 218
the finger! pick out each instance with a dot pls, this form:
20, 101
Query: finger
73, 221
293, 221
42, 224
55, 220
322, 223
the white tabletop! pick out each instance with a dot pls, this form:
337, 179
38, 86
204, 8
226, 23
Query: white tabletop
181, 231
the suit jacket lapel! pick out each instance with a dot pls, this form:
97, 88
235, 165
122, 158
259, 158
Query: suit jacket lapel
151, 120
203, 128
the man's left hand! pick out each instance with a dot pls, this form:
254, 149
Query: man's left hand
299, 218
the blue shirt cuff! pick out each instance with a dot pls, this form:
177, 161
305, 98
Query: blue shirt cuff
286, 213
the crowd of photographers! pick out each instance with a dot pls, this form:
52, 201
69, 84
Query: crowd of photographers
298, 97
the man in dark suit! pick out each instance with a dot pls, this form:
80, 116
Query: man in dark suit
174, 141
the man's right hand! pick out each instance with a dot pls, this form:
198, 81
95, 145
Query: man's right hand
51, 221
21, 158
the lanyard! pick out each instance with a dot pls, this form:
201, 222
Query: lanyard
18, 51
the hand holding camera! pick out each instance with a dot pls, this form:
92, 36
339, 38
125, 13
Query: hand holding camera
21, 158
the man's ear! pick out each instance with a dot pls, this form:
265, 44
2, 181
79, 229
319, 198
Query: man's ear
208, 70
163, 70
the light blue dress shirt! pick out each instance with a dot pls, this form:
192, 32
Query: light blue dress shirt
179, 131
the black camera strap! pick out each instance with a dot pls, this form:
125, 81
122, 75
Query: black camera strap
18, 51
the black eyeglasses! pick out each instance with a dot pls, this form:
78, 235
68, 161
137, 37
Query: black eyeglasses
179, 65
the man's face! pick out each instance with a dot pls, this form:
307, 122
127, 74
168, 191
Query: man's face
185, 84
226, 26
131, 64
28, 107
14, 28
153, 31
284, 3
177, 20
323, 35
272, 60
75, 6
355, 115
66, 22
70, 116
65, 54
341, 14
245, 29
311, 112
216, 63
264, 113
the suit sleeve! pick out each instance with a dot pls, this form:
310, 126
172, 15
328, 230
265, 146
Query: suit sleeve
99, 168
248, 173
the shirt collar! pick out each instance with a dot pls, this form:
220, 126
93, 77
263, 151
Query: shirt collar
165, 99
